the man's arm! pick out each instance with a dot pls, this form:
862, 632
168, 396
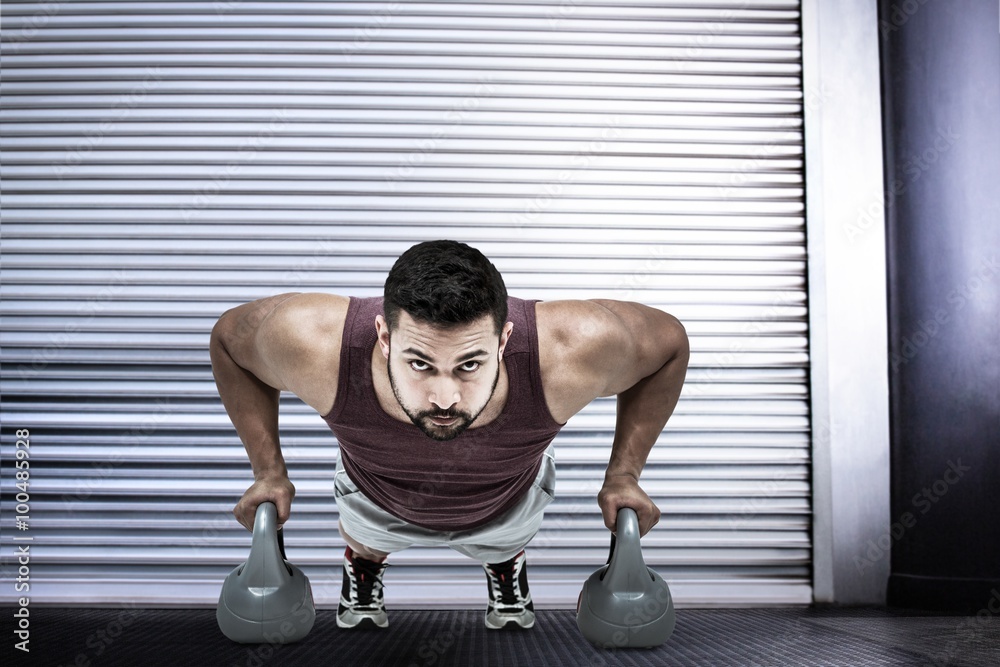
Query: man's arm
250, 390
650, 353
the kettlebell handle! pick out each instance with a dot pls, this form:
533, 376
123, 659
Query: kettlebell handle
628, 521
626, 554
623, 524
266, 550
265, 521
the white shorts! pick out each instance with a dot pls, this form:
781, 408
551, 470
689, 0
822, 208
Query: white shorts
494, 542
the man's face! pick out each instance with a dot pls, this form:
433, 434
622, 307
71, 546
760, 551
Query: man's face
443, 378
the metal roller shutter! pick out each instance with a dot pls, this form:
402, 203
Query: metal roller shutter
165, 161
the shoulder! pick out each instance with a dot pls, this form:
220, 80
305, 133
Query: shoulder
570, 325
304, 318
601, 347
568, 333
581, 332
304, 333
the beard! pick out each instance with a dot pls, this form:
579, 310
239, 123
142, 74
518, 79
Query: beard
422, 418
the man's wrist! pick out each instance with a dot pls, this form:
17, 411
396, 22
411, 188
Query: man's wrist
277, 471
609, 474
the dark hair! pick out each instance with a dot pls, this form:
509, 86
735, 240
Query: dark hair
445, 283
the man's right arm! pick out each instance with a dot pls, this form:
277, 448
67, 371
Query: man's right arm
250, 385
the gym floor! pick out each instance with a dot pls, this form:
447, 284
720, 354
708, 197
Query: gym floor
785, 637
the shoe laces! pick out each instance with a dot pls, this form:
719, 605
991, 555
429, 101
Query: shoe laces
367, 580
502, 575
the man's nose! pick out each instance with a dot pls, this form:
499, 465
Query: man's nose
445, 394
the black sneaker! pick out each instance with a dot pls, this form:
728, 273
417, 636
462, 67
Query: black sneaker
361, 602
510, 602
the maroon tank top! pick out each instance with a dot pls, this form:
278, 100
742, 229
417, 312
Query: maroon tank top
453, 485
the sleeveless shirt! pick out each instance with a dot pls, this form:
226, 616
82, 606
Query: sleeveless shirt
441, 485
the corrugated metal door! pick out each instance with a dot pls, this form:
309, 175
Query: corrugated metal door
166, 161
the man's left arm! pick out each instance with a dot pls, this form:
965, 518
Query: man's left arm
651, 349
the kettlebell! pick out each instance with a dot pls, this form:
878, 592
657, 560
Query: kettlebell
625, 603
266, 599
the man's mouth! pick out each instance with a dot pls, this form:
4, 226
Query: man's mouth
443, 421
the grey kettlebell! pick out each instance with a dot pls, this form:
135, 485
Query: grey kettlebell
625, 603
266, 599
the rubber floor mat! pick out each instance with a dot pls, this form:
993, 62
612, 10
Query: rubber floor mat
778, 637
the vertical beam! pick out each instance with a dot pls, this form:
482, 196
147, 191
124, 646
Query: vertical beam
845, 214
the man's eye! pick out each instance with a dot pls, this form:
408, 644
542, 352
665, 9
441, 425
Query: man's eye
418, 362
475, 366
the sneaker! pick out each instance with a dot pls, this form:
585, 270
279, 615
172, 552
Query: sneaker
361, 602
510, 602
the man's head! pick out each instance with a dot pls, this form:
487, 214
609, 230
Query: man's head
446, 318
444, 283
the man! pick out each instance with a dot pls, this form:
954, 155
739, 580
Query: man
444, 395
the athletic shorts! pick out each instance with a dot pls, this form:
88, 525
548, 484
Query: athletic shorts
494, 542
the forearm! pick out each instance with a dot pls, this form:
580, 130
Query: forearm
642, 412
252, 406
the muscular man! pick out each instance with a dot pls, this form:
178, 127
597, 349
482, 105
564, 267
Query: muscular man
444, 395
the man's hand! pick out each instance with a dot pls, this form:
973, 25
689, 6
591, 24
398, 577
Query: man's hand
277, 488
624, 491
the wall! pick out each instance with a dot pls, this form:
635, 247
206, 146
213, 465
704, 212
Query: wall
941, 101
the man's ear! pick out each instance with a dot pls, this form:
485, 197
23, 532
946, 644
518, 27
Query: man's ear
382, 330
504, 337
